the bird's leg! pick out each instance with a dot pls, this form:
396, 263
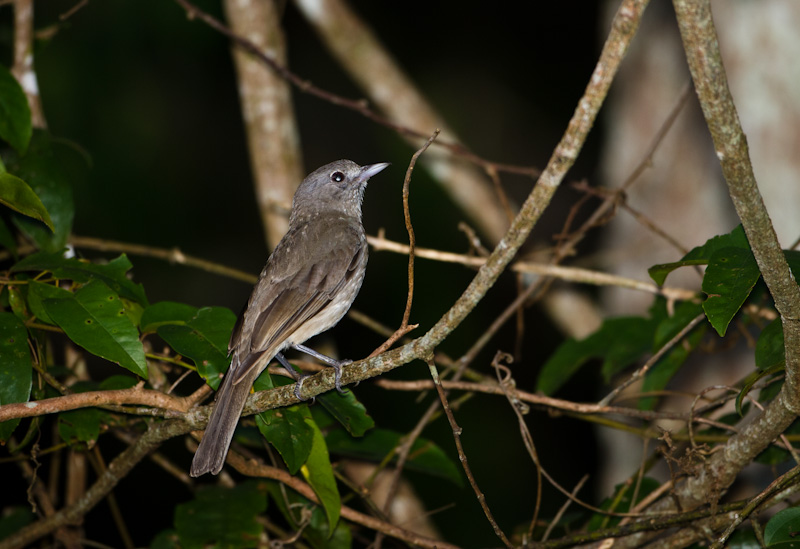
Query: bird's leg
332, 362
296, 375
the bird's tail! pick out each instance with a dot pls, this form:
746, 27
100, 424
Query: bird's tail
210, 455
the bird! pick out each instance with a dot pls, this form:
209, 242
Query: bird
308, 284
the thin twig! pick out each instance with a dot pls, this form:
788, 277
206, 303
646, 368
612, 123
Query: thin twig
463, 457
638, 374
569, 274
412, 242
171, 255
563, 508
253, 468
601, 212
506, 382
356, 105
787, 479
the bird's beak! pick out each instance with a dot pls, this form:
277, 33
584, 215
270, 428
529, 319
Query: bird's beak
371, 169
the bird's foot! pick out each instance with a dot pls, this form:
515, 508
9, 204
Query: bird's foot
337, 368
299, 386
332, 362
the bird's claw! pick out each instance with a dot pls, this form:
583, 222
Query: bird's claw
299, 386
337, 368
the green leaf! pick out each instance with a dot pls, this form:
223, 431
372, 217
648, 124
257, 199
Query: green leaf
701, 254
318, 472
743, 539
7, 239
316, 532
117, 382
425, 456
751, 380
770, 351
166, 539
94, 319
113, 274
665, 369
82, 425
39, 291
222, 517
51, 167
18, 195
782, 529
16, 369
619, 341
668, 365
203, 338
166, 312
16, 299
670, 326
287, 430
621, 502
348, 411
729, 279
14, 519
133, 310
265, 381
793, 259
15, 114
659, 272
734, 239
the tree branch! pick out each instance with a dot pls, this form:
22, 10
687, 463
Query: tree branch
117, 469
272, 136
711, 83
23, 69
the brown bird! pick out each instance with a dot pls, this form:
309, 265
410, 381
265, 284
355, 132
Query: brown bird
306, 287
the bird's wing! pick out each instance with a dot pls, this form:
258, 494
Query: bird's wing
291, 291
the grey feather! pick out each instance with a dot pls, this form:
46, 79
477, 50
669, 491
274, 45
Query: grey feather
306, 287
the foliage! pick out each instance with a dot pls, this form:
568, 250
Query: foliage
99, 307
77, 327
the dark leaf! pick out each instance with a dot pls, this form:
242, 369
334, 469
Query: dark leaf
770, 351
82, 425
52, 168
781, 530
94, 319
16, 369
203, 338
318, 472
222, 517
729, 279
287, 430
113, 274
15, 114
18, 195
425, 456
701, 254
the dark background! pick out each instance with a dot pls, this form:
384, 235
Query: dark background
151, 97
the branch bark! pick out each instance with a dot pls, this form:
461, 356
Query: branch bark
272, 135
22, 68
623, 29
708, 73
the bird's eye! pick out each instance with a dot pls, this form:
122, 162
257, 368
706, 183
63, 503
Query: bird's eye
338, 177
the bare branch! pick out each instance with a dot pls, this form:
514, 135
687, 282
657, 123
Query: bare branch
463, 457
23, 69
272, 136
136, 395
705, 63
